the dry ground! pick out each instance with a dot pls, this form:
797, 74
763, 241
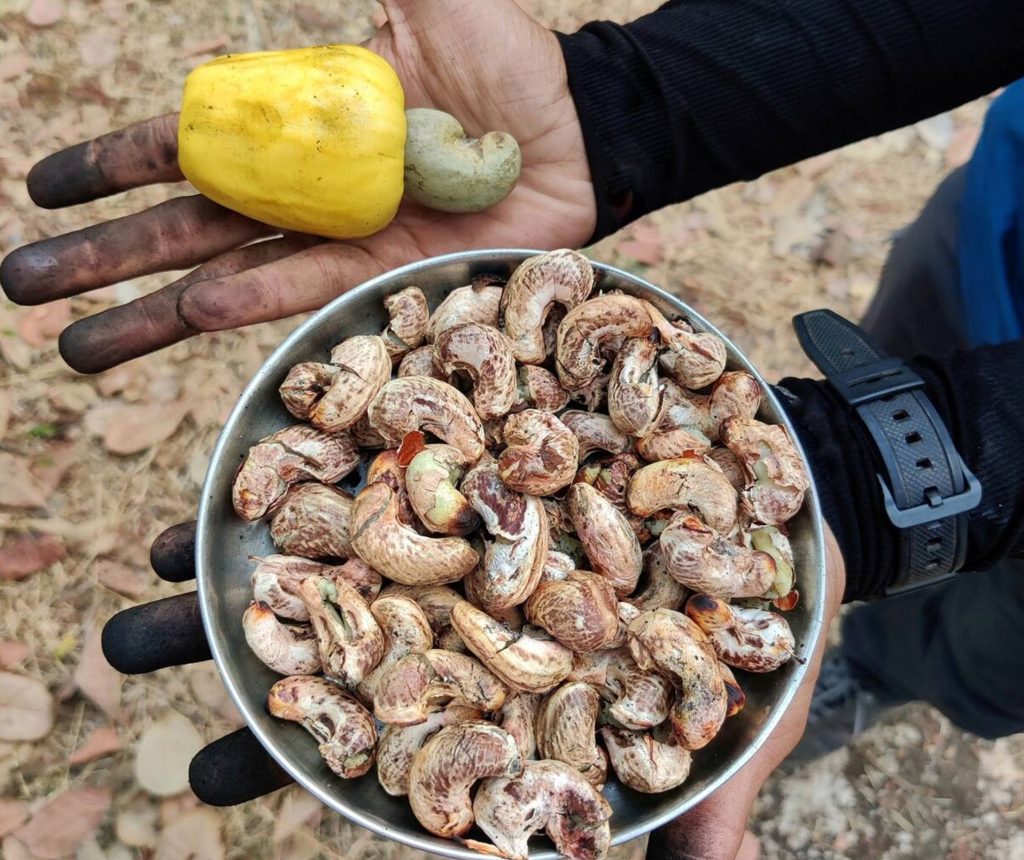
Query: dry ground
748, 257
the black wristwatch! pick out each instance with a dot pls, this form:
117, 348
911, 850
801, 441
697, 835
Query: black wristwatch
927, 488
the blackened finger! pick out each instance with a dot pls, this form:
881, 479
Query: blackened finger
155, 635
173, 553
235, 769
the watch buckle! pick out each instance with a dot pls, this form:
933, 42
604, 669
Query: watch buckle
938, 507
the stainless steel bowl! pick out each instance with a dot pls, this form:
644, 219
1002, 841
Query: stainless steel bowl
225, 542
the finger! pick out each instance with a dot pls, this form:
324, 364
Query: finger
173, 553
155, 635
140, 154
177, 234
302, 282
235, 769
151, 322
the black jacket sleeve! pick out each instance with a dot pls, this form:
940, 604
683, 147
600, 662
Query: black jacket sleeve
702, 93
979, 398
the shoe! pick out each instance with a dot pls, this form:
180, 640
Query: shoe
842, 708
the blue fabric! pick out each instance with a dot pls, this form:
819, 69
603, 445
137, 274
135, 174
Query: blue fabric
991, 237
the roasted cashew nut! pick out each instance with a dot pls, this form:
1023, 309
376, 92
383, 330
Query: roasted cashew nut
636, 699
288, 649
312, 522
421, 403
682, 427
406, 631
351, 642
776, 476
386, 469
276, 580
549, 796
421, 683
436, 601
580, 611
634, 397
731, 466
538, 388
684, 483
595, 432
430, 481
407, 326
297, 453
694, 359
399, 553
485, 355
344, 728
561, 277
675, 646
476, 303
518, 717
748, 639
657, 588
541, 456
567, 727
305, 384
526, 663
419, 362
649, 762
607, 538
363, 367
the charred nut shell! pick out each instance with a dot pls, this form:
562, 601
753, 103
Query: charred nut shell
476, 303
684, 483
748, 639
446, 768
567, 729
541, 456
304, 385
634, 397
288, 649
276, 580
737, 698
649, 762
776, 476
408, 324
344, 728
581, 611
313, 522
406, 631
485, 355
431, 480
363, 367
607, 538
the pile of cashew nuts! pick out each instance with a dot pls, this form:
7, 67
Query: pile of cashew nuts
571, 535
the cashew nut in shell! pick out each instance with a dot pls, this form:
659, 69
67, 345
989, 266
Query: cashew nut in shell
580, 611
771, 540
542, 453
657, 588
430, 481
748, 639
288, 649
304, 385
313, 522
448, 171
406, 631
649, 762
560, 277
276, 580
730, 465
363, 367
636, 698
557, 567
567, 728
538, 388
684, 483
595, 432
398, 552
436, 601
485, 355
365, 436
386, 469
449, 764
419, 362
344, 728
475, 303
634, 397
694, 359
607, 537
518, 717
737, 698
407, 327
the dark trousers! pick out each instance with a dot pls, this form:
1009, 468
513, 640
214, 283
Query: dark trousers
958, 646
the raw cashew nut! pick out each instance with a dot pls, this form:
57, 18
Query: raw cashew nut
748, 639
694, 359
595, 432
634, 398
344, 728
607, 537
518, 717
363, 367
478, 302
386, 469
686, 482
485, 355
567, 727
538, 388
406, 631
313, 522
448, 171
350, 640
542, 453
419, 362
407, 326
399, 553
581, 611
675, 646
783, 588
657, 588
365, 436
430, 480
297, 453
561, 277
650, 762
419, 402
276, 580
421, 683
737, 698
776, 476
436, 601
549, 796
288, 649
636, 699
526, 663
304, 385
447, 766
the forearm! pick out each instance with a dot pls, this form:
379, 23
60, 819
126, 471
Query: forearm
978, 396
702, 93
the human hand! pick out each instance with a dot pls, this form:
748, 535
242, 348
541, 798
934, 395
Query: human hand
486, 62
714, 829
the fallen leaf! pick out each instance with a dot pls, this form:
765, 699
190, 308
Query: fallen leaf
13, 814
50, 466
97, 49
207, 46
74, 396
65, 822
101, 742
164, 752
209, 689
193, 836
14, 849
12, 652
648, 253
23, 555
96, 678
122, 578
19, 488
41, 324
130, 428
13, 64
136, 826
310, 17
297, 807
44, 13
26, 708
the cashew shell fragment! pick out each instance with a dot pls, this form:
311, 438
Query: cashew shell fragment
567, 727
276, 580
288, 649
313, 522
485, 355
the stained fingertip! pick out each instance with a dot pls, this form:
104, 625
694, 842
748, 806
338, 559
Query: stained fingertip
173, 553
24, 270
155, 635
234, 769
66, 178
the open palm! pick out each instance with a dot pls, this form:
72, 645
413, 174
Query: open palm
484, 61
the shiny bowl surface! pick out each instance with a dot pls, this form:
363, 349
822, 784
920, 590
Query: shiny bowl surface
225, 542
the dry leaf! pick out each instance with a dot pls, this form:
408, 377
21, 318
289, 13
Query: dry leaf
648, 253
19, 488
128, 429
13, 814
208, 688
23, 555
136, 826
39, 325
121, 578
65, 822
296, 808
50, 466
44, 13
13, 848
101, 742
26, 708
164, 752
207, 46
12, 652
13, 64
193, 836
96, 678
98, 48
